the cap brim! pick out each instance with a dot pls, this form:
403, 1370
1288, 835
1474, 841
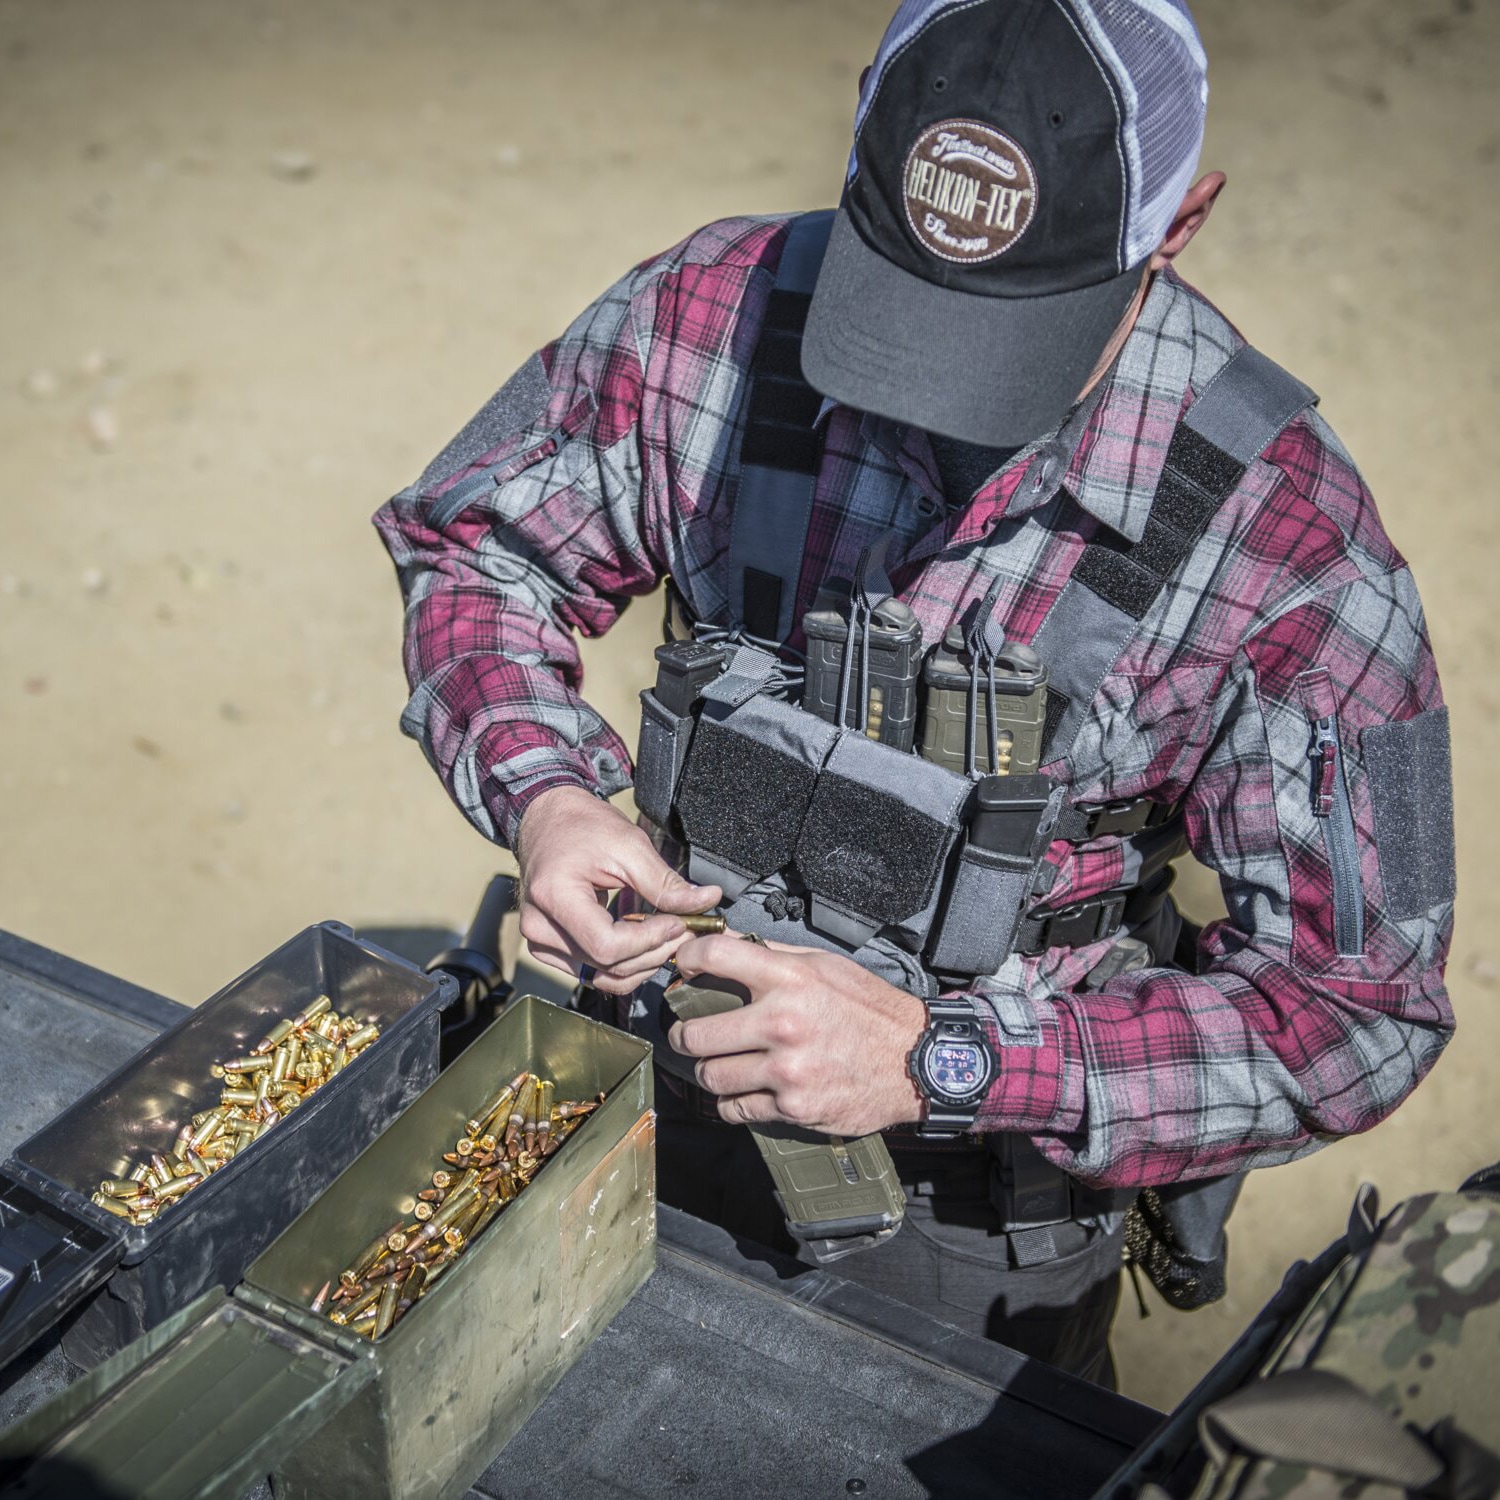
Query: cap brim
992, 370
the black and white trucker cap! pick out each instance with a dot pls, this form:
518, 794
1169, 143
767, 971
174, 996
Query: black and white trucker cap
1015, 163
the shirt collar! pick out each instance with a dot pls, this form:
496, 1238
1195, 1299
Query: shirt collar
1116, 440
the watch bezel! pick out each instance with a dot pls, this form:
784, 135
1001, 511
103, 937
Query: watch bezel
945, 1029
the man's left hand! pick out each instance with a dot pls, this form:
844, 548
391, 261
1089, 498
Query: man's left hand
822, 1044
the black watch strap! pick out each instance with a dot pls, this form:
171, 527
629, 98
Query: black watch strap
956, 1018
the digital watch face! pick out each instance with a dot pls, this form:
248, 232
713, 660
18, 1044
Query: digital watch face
956, 1070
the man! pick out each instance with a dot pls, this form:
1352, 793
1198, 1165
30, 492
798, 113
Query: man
1012, 387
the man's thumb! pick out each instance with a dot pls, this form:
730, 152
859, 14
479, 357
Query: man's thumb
666, 890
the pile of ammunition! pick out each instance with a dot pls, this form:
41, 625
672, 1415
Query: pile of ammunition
503, 1148
294, 1059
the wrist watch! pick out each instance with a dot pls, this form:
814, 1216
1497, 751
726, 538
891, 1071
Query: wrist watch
952, 1066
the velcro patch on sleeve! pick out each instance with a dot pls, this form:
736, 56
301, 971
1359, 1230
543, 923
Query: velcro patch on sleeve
1411, 789
518, 404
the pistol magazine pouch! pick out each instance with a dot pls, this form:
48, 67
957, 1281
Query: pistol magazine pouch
660, 757
990, 890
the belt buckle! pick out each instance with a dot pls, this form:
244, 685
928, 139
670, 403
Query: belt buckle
1084, 922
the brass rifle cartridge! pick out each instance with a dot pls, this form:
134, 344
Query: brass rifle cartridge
544, 1113
438, 1265
321, 1300
366, 1298
488, 1144
482, 1223
387, 1310
369, 1255
411, 1287
396, 1242
495, 1106
441, 1179
465, 1146
452, 1158
517, 1122
364, 1323
424, 1211
120, 1187
430, 1196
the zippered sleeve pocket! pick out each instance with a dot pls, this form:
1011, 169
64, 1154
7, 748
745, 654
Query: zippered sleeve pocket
1328, 798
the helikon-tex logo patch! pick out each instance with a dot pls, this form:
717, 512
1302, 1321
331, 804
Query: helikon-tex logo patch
970, 191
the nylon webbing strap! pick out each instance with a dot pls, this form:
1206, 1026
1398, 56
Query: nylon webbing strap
781, 449
1239, 414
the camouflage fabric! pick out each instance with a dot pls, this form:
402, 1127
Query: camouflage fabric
1413, 1324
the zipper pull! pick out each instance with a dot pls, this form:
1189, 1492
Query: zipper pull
1324, 754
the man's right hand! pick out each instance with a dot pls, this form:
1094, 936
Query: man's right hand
573, 850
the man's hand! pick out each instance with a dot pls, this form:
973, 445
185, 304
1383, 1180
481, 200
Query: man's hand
822, 1044
573, 849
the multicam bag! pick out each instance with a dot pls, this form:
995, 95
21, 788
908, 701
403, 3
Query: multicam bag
1374, 1373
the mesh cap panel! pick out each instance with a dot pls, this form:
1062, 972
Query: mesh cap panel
1152, 50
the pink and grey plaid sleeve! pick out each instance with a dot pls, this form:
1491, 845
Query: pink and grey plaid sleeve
1321, 1002
522, 532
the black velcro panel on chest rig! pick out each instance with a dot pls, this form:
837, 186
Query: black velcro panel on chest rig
742, 800
1195, 481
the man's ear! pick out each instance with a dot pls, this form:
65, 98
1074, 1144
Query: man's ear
1192, 214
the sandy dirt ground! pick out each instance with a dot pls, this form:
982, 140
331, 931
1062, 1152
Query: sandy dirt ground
259, 261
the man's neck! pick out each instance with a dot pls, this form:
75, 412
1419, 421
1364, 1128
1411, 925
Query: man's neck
1118, 337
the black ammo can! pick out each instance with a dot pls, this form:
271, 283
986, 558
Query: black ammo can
57, 1247
231, 1387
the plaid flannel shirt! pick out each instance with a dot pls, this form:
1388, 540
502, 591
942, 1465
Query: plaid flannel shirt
611, 459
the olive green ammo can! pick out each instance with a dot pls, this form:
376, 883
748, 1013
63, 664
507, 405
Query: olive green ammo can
233, 1387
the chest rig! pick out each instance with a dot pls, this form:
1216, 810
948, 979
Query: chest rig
926, 873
